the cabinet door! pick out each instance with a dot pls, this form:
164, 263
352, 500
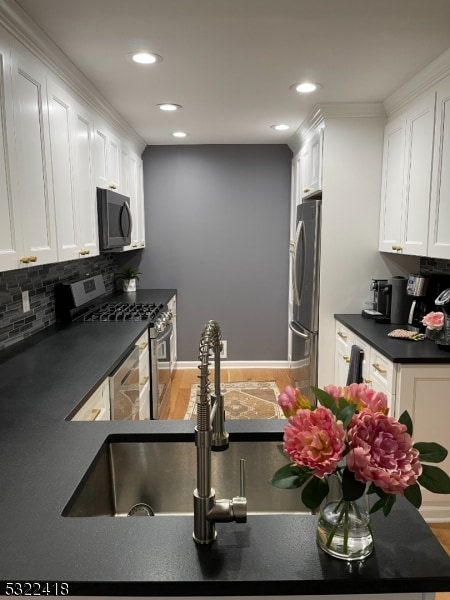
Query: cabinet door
392, 185
439, 232
85, 193
33, 164
130, 166
10, 223
417, 184
424, 392
311, 164
60, 119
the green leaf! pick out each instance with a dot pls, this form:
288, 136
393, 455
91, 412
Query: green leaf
389, 503
345, 415
314, 492
290, 477
414, 495
431, 452
351, 488
325, 399
386, 502
405, 419
434, 479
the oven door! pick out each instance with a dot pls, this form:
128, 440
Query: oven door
161, 370
124, 388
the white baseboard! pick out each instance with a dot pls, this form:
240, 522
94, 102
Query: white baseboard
238, 364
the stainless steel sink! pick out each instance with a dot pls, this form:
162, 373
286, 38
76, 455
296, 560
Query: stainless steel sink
163, 475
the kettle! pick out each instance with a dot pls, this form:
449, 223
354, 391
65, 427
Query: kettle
443, 301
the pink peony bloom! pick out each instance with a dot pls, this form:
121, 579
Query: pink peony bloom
314, 439
434, 320
291, 400
361, 395
380, 451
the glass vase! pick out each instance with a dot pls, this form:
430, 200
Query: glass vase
344, 528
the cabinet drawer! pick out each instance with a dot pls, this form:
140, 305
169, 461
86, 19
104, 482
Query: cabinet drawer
142, 343
382, 373
344, 339
97, 406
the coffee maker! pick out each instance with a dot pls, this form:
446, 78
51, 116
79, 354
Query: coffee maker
380, 306
416, 289
443, 303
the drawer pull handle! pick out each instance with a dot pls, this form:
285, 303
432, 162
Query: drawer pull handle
367, 381
346, 358
380, 370
32, 258
342, 335
397, 248
144, 380
143, 346
25, 260
94, 413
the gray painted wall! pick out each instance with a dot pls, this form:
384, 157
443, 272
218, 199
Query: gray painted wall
217, 229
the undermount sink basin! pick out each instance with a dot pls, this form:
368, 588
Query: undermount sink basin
162, 475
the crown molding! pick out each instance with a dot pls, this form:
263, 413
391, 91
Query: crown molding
19, 25
429, 76
333, 110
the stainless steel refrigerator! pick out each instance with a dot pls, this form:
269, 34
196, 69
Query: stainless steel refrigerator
305, 293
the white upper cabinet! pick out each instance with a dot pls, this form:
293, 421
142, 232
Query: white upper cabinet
311, 164
10, 221
405, 193
32, 183
71, 133
439, 232
107, 160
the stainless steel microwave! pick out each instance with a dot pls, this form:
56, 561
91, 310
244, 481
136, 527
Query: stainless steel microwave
114, 219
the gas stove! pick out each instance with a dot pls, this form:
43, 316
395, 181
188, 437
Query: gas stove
87, 300
123, 311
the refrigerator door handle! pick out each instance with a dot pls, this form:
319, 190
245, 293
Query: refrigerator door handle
293, 328
299, 236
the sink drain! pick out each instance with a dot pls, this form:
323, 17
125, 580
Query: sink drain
141, 510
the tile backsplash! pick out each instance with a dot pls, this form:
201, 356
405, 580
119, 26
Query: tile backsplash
39, 281
434, 265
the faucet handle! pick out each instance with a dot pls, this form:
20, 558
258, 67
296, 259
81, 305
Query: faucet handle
239, 503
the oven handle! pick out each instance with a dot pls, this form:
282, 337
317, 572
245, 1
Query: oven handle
165, 334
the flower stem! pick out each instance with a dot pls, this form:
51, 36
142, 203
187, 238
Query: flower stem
339, 519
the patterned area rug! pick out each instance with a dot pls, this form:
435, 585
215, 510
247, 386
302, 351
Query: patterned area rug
244, 400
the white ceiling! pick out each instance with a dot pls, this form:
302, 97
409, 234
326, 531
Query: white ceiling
230, 63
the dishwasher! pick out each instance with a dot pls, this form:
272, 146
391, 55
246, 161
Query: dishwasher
124, 388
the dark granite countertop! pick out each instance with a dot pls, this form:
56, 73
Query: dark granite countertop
396, 350
44, 457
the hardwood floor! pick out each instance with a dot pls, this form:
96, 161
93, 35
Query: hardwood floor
179, 398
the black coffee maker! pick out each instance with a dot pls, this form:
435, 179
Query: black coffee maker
416, 289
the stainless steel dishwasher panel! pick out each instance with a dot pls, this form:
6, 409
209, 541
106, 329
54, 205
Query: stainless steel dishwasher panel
124, 388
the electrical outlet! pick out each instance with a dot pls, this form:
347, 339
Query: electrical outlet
223, 352
25, 301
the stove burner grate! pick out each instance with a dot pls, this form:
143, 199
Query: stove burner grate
123, 311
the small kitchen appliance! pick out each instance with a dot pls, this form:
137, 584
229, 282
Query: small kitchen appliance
381, 302
416, 290
399, 299
114, 219
443, 303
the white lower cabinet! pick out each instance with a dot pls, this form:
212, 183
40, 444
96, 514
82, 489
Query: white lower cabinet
97, 407
421, 389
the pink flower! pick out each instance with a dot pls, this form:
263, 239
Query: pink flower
291, 400
434, 320
314, 439
381, 452
361, 395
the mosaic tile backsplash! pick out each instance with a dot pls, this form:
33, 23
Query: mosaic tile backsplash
39, 281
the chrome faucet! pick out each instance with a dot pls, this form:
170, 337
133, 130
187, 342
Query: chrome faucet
210, 435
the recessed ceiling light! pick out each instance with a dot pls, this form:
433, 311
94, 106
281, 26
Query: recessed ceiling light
169, 106
145, 58
306, 87
280, 127
179, 134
